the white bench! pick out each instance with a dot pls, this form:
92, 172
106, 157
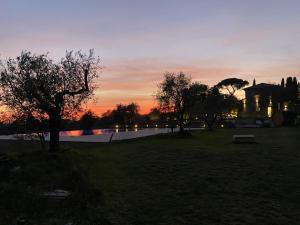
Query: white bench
243, 138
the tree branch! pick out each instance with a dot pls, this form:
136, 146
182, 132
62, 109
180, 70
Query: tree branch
60, 95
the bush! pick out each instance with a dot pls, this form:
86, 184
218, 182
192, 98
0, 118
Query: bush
28, 177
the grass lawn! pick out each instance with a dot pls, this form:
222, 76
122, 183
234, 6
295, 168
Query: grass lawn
204, 179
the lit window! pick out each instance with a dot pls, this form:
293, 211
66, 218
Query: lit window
269, 109
256, 97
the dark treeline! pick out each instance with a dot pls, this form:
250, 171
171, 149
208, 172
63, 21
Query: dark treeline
194, 105
122, 117
289, 89
181, 103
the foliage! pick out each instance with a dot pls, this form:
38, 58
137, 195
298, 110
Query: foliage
197, 95
24, 179
178, 96
232, 85
35, 85
88, 120
215, 106
173, 95
290, 92
154, 114
123, 114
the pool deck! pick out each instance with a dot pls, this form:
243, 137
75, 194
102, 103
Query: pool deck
106, 137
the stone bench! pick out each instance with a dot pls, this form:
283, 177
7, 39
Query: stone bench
57, 194
243, 138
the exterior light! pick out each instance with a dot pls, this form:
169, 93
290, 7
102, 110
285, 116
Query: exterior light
285, 106
117, 128
135, 125
244, 105
233, 114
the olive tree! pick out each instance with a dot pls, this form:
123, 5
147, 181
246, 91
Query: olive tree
37, 85
173, 95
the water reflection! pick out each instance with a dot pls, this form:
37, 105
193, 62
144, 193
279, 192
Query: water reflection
76, 133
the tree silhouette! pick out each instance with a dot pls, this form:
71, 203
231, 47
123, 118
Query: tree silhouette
154, 114
295, 82
282, 83
291, 88
215, 106
36, 85
125, 114
232, 85
176, 95
88, 120
289, 83
197, 94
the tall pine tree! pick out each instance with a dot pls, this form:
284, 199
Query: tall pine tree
282, 83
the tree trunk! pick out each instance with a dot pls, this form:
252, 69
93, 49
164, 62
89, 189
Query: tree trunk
181, 128
210, 126
210, 122
42, 140
181, 125
54, 128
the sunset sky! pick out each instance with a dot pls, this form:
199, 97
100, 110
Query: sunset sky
138, 41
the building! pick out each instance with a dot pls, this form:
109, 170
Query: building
264, 100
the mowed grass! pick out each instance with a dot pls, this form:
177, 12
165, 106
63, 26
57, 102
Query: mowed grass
204, 179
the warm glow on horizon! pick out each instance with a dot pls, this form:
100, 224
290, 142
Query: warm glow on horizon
99, 110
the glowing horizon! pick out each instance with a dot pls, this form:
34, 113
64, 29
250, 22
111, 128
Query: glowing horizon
138, 41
